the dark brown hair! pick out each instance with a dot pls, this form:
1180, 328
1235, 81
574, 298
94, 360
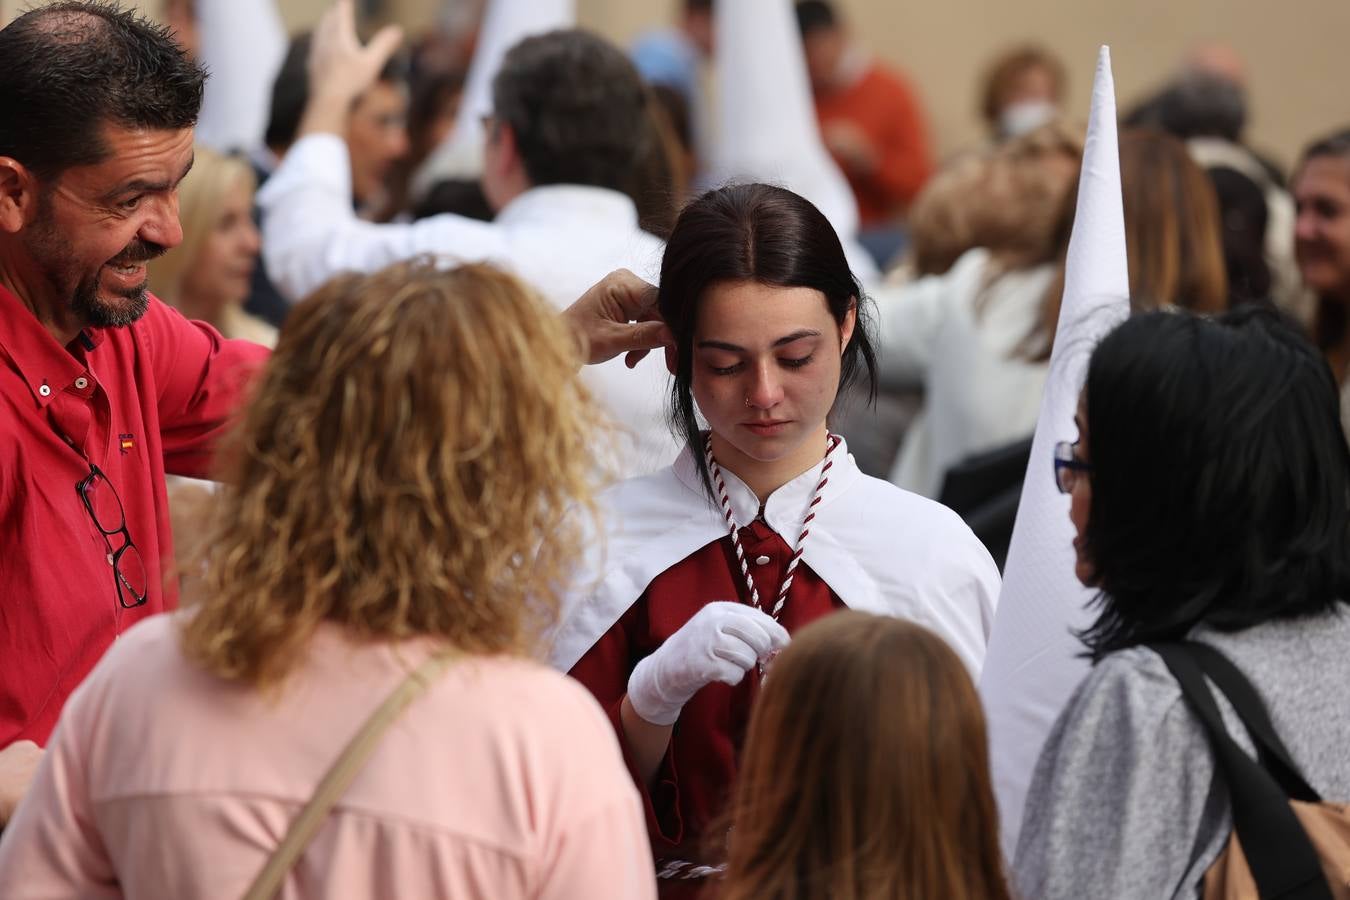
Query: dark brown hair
865, 773
578, 108
69, 68
763, 234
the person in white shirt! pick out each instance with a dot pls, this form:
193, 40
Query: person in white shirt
567, 144
968, 336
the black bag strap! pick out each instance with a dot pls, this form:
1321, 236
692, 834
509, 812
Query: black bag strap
1274, 756
1282, 860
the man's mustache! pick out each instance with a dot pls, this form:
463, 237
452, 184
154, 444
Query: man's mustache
138, 251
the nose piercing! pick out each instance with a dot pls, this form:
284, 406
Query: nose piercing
748, 404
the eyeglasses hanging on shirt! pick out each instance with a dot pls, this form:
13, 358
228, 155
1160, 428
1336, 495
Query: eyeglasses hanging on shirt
71, 422
104, 506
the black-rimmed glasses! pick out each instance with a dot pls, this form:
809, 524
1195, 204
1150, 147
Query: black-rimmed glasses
1068, 467
105, 508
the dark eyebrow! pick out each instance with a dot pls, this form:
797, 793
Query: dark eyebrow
796, 336
782, 341
141, 186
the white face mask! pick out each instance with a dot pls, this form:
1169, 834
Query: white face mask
1024, 116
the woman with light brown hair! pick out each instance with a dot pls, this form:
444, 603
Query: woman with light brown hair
1173, 234
1173, 231
865, 775
207, 276
413, 438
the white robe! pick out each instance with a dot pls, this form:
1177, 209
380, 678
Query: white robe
560, 238
880, 549
959, 335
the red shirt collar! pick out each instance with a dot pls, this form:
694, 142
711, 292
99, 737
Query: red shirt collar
35, 354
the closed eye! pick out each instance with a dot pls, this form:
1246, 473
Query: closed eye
727, 370
798, 362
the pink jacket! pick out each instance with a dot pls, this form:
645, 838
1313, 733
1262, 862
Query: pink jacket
503, 781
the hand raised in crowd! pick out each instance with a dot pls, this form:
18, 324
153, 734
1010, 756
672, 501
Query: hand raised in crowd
18, 763
720, 643
341, 68
618, 315
852, 146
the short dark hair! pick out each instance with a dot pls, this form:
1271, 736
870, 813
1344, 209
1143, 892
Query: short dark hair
1336, 144
1200, 104
290, 90
1245, 215
1220, 477
577, 108
815, 15
764, 234
68, 68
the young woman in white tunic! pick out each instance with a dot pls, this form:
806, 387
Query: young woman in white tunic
762, 525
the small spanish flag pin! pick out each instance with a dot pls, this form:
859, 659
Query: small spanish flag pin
127, 442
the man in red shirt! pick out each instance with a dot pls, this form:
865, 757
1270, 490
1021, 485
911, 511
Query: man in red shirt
103, 389
869, 118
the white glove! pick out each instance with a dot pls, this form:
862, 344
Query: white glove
720, 643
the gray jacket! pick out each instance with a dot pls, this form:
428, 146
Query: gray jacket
1124, 803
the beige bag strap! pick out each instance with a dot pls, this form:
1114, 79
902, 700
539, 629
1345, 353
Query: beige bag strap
341, 775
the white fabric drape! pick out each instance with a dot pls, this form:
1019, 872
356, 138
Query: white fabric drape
1033, 664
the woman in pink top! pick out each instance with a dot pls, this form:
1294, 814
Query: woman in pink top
414, 435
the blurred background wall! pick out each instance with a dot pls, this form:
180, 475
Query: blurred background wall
1295, 51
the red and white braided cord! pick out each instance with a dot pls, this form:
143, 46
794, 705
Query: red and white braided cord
716, 471
682, 870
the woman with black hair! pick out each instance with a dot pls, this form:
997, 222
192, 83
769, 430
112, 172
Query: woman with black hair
1209, 488
763, 524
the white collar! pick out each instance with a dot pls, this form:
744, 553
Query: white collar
785, 507
571, 203
880, 550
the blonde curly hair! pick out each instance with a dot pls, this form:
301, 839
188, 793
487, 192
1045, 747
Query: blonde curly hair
412, 464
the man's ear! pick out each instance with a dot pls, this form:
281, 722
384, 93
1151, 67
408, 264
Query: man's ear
508, 153
672, 361
18, 195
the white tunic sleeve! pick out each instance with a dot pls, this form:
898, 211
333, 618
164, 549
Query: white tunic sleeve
311, 232
911, 316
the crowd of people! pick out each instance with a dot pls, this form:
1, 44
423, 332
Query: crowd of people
376, 529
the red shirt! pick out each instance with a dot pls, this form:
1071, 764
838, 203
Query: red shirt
694, 782
138, 402
883, 107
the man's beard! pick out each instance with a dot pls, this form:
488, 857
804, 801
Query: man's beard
93, 311
53, 251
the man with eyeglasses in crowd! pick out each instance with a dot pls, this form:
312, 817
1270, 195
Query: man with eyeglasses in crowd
103, 388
